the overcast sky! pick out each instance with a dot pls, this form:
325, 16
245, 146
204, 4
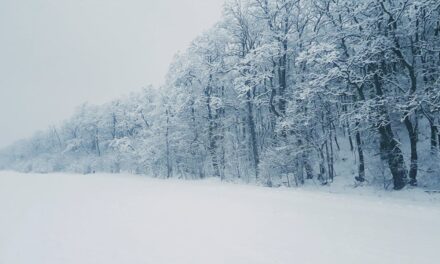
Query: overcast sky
57, 54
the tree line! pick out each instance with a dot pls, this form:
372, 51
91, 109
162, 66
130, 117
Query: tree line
277, 92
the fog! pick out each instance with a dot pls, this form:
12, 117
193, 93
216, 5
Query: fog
56, 54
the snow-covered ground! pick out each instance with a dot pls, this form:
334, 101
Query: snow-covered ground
63, 218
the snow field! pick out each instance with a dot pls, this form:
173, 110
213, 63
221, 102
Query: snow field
101, 218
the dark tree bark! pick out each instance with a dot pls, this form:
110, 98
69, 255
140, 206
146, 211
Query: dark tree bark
361, 168
390, 149
434, 133
252, 131
413, 137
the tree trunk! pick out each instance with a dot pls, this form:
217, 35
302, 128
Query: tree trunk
434, 133
361, 167
412, 132
389, 146
308, 168
253, 135
211, 130
167, 141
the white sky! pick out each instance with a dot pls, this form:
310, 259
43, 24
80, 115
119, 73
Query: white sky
57, 54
